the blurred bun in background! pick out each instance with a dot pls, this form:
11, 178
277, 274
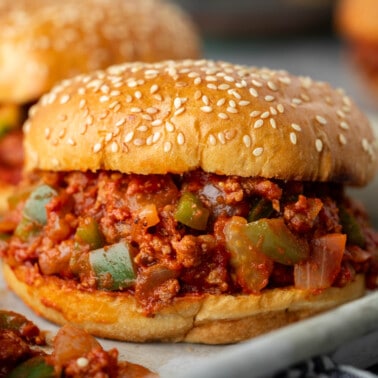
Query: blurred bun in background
45, 41
357, 23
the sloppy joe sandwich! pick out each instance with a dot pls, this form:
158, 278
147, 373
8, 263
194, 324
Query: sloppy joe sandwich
192, 201
43, 41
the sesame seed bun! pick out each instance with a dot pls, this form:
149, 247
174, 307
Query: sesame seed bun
223, 118
43, 41
209, 319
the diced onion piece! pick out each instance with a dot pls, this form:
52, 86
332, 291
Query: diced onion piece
324, 264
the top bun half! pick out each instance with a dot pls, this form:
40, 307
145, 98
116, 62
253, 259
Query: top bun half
44, 41
224, 118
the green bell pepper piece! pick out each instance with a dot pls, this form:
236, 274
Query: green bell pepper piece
191, 212
35, 206
273, 238
113, 266
89, 232
351, 228
261, 208
35, 367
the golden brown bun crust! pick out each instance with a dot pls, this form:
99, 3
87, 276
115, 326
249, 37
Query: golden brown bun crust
43, 41
209, 319
357, 19
223, 118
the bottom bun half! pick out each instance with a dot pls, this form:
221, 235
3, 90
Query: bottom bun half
209, 319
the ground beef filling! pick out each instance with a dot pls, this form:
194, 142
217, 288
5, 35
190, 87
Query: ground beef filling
177, 247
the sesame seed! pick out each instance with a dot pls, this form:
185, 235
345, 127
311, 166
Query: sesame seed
212, 86
47, 132
167, 146
365, 144
156, 122
177, 102
344, 125
296, 101
321, 120
179, 111
234, 93
221, 102
258, 124
265, 115
180, 139
272, 86
82, 103
212, 140
142, 128
64, 99
244, 103
253, 92
269, 98
210, 78
230, 109
342, 139
254, 113
296, 127
62, 133
71, 142
156, 136
230, 79
205, 100
151, 110
319, 145
138, 142
340, 113
120, 122
97, 147
222, 115
273, 111
232, 103
138, 95
293, 138
221, 138
247, 140
206, 109
223, 87
197, 95
135, 110
114, 147
258, 151
272, 122
129, 136
115, 93
197, 81
169, 127
256, 83
83, 128
284, 79
280, 108
154, 88
114, 105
